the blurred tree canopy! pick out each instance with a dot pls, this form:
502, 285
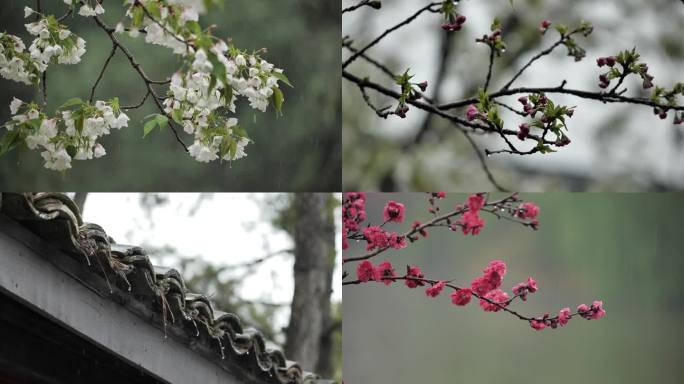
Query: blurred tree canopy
300, 151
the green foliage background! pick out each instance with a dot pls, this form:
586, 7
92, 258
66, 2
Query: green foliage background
300, 151
624, 249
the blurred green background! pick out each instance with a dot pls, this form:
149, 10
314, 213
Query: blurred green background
300, 151
624, 249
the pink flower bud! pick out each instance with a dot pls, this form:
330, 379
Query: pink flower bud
523, 131
545, 24
601, 61
423, 86
610, 60
472, 112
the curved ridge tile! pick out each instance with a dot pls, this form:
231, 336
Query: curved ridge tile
56, 218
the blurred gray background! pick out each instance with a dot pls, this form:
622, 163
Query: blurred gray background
624, 249
296, 152
615, 147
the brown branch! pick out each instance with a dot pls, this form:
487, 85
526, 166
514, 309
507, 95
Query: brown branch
388, 31
539, 56
102, 71
140, 103
502, 305
431, 223
148, 82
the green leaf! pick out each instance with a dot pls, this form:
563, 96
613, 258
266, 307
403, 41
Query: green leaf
71, 102
496, 24
238, 130
232, 148
157, 121
148, 127
282, 77
9, 141
278, 100
176, 116
138, 15
161, 120
194, 27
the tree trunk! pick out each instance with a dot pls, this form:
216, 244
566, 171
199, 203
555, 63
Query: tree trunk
310, 318
80, 199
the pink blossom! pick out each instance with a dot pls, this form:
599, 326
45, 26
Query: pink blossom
527, 210
461, 296
365, 271
583, 309
471, 222
496, 266
414, 271
496, 296
537, 325
594, 312
385, 272
531, 284
475, 202
396, 241
436, 289
472, 112
491, 278
597, 309
394, 211
440, 195
545, 24
481, 285
376, 237
563, 316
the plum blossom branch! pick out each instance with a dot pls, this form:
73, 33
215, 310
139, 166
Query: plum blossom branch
485, 288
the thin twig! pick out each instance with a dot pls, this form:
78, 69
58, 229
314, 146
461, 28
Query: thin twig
102, 71
489, 70
140, 103
538, 56
387, 32
356, 6
138, 68
483, 162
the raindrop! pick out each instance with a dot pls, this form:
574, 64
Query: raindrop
196, 329
223, 355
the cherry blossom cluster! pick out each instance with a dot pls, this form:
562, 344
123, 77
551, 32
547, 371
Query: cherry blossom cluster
453, 21
54, 43
16, 63
213, 74
70, 135
486, 287
201, 96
